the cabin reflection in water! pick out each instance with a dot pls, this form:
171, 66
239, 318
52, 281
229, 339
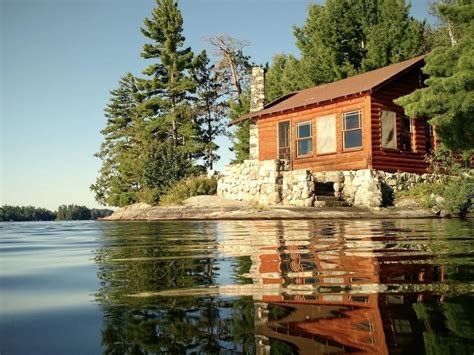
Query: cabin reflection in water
337, 288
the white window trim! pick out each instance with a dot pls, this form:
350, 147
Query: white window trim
353, 129
298, 138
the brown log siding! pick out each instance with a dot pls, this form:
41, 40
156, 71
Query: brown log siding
392, 160
370, 155
341, 160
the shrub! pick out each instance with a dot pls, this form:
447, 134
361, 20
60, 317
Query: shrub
189, 187
458, 196
455, 185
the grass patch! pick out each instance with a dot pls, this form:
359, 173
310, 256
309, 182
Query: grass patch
189, 187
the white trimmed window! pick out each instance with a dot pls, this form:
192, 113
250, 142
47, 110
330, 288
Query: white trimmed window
304, 140
352, 130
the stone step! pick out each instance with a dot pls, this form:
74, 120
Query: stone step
331, 204
326, 198
324, 193
324, 186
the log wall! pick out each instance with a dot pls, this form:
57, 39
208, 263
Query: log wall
391, 160
341, 160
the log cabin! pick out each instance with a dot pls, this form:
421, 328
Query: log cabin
348, 124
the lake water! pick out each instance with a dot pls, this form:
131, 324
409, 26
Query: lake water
265, 287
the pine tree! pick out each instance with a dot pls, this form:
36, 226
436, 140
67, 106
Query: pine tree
448, 99
117, 182
241, 136
170, 132
167, 91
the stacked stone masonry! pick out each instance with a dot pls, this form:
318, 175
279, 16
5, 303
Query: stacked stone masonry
269, 183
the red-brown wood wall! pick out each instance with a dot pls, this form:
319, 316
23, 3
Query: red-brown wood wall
341, 160
370, 155
396, 159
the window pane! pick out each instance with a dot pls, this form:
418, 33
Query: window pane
305, 146
351, 120
389, 136
304, 130
406, 126
353, 139
326, 134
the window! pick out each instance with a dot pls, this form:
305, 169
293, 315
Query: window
352, 130
405, 134
388, 121
429, 136
304, 139
326, 134
402, 326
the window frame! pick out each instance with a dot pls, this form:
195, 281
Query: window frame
344, 130
409, 134
298, 138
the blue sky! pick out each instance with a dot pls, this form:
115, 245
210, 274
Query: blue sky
60, 59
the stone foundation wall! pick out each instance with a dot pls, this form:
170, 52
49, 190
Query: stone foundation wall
297, 188
253, 181
267, 183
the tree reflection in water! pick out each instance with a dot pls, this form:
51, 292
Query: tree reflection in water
287, 287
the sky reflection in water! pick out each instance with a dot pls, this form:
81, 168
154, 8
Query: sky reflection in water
242, 286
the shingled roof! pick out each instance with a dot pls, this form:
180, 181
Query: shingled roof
361, 83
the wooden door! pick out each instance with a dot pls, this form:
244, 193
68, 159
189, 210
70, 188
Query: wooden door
284, 140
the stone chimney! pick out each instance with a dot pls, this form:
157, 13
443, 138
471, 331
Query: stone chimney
257, 89
257, 99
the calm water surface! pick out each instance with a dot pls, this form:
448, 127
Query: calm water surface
266, 287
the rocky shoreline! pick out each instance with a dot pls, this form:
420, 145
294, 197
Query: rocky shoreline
218, 208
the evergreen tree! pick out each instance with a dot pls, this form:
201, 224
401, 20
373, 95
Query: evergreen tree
241, 136
282, 77
448, 98
167, 91
117, 182
393, 37
210, 108
345, 37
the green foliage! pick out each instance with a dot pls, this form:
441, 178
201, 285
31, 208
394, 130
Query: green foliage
210, 108
448, 98
343, 37
189, 187
25, 213
28, 213
241, 136
159, 126
73, 212
79, 213
165, 164
283, 76
458, 195
455, 185
117, 182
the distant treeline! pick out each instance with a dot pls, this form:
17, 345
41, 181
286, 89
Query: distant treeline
70, 212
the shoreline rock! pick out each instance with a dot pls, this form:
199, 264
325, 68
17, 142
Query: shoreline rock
218, 208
